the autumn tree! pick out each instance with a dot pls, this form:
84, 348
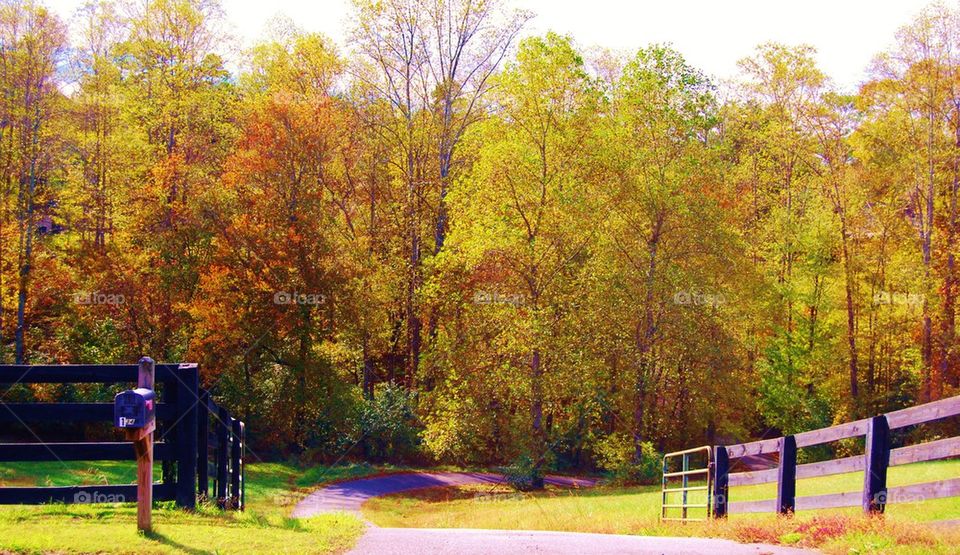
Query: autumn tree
32, 45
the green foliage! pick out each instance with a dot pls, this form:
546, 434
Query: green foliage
387, 424
616, 455
524, 473
474, 250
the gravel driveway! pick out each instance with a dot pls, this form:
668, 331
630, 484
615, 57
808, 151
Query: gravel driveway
349, 496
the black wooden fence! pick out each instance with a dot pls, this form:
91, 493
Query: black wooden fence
185, 416
878, 456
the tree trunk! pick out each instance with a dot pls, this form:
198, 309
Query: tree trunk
851, 309
927, 226
644, 341
948, 319
538, 436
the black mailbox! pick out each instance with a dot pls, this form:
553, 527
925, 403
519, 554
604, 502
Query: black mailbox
135, 408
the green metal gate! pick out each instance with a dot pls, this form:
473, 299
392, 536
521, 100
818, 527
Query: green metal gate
684, 476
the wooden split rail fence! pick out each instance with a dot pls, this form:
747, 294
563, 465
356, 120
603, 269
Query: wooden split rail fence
875, 461
193, 435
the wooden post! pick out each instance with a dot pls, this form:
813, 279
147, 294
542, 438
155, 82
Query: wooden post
685, 482
243, 478
188, 397
143, 446
877, 458
663, 488
223, 453
203, 431
721, 481
787, 476
236, 465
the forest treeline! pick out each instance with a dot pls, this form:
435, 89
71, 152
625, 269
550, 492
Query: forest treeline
448, 240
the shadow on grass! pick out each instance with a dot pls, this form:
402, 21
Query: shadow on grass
165, 540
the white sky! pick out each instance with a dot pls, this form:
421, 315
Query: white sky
711, 34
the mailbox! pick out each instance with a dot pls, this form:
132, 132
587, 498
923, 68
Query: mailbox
135, 408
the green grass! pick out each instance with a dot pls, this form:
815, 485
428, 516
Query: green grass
265, 527
636, 510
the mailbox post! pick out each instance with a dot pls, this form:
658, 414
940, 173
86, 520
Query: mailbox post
135, 412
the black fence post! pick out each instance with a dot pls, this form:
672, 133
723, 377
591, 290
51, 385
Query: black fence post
188, 399
721, 481
236, 465
223, 455
787, 476
243, 466
203, 443
168, 431
877, 458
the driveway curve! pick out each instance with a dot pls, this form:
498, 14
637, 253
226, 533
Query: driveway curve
350, 496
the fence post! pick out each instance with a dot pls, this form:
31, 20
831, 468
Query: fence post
721, 481
169, 431
203, 430
243, 467
143, 447
187, 400
236, 464
223, 454
877, 457
787, 476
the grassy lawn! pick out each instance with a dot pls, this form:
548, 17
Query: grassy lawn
271, 491
636, 511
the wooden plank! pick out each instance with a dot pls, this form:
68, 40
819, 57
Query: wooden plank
809, 470
924, 413
833, 433
84, 451
80, 494
915, 493
764, 506
754, 448
83, 373
69, 412
834, 466
933, 450
754, 477
929, 451
829, 501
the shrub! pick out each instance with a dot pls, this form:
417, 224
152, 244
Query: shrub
522, 473
615, 454
387, 424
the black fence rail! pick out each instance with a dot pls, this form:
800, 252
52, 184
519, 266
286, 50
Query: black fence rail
183, 419
875, 461
220, 455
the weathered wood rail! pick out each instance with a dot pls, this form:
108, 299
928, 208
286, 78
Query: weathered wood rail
183, 442
878, 456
